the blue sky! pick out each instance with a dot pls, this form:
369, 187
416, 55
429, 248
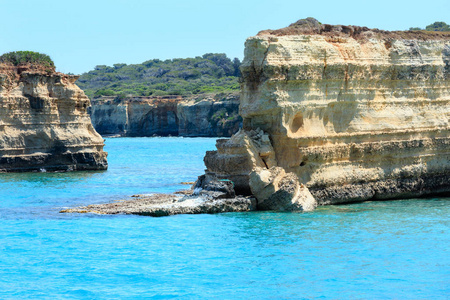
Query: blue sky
81, 34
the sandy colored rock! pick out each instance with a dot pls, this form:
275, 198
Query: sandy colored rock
236, 157
265, 182
44, 124
276, 190
354, 113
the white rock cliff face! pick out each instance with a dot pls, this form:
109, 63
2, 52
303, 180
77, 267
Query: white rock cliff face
44, 124
354, 113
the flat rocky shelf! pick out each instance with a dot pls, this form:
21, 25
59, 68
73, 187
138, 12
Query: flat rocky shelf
158, 205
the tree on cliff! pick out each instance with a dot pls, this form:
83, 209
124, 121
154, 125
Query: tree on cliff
436, 26
210, 73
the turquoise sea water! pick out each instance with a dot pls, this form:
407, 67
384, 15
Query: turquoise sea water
372, 250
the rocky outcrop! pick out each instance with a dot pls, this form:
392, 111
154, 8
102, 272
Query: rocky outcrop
276, 190
44, 124
194, 116
353, 113
159, 205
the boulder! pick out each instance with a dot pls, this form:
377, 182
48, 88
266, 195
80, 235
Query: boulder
274, 189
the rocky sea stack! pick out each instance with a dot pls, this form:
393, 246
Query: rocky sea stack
43, 120
338, 114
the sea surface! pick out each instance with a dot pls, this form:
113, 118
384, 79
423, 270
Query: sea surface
372, 250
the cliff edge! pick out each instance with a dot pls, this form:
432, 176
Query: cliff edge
43, 122
337, 114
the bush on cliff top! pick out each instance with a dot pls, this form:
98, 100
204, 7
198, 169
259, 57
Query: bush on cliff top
210, 73
436, 26
18, 58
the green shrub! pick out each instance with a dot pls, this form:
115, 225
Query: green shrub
438, 26
18, 58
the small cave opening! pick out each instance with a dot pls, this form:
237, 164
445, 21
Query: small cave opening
297, 123
36, 103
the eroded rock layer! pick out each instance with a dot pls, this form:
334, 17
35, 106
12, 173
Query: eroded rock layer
354, 113
44, 124
193, 116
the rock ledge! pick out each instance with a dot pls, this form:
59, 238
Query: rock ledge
159, 205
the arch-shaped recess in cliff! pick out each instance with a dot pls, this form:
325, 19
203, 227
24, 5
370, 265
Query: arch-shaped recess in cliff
297, 123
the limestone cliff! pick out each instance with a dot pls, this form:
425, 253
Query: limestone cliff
44, 123
194, 116
354, 113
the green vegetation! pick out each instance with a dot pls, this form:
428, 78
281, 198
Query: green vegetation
211, 73
18, 58
436, 26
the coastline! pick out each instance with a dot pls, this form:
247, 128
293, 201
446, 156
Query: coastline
184, 202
